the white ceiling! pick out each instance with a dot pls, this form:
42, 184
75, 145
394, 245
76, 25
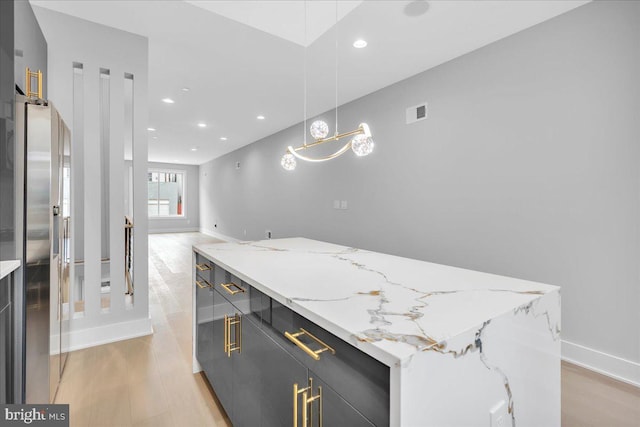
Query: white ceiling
284, 19
239, 61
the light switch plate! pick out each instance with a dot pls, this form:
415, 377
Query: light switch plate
336, 204
343, 204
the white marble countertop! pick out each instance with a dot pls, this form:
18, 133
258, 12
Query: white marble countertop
390, 307
8, 267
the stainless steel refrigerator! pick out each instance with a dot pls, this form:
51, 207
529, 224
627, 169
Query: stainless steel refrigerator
43, 158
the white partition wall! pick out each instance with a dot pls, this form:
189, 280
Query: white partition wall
79, 53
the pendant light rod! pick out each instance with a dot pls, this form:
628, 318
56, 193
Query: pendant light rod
304, 65
336, 60
332, 138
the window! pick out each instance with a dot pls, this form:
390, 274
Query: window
166, 193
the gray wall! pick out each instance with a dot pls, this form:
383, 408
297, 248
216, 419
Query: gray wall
30, 46
528, 166
191, 205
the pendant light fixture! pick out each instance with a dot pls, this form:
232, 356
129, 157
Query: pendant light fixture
361, 142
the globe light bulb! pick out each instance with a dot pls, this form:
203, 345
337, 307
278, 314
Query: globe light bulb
319, 129
362, 145
288, 162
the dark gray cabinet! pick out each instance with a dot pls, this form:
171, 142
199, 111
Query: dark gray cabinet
336, 410
260, 377
6, 345
281, 371
204, 316
221, 374
283, 376
238, 346
247, 375
6, 354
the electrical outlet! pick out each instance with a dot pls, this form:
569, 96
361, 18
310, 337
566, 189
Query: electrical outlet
343, 204
267, 234
237, 165
498, 415
336, 204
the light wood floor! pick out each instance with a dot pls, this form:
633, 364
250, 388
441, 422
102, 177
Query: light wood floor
593, 400
148, 381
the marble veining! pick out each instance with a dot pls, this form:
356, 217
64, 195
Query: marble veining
389, 306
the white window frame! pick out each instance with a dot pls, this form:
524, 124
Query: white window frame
184, 192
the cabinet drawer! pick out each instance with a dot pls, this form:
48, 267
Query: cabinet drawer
233, 289
203, 265
244, 297
357, 377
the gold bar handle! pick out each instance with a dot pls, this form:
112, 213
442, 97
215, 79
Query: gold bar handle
202, 284
203, 267
315, 354
229, 321
295, 405
320, 406
307, 404
227, 287
226, 334
28, 81
309, 401
305, 408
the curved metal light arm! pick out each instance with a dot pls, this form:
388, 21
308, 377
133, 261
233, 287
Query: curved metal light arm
363, 128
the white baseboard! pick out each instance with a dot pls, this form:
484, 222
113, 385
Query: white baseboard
219, 235
105, 334
174, 230
612, 366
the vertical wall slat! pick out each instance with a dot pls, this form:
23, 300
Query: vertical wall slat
140, 212
116, 204
77, 185
92, 216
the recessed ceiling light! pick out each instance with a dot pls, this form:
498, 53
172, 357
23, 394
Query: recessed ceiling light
151, 129
359, 44
223, 138
168, 100
260, 117
202, 125
194, 149
185, 89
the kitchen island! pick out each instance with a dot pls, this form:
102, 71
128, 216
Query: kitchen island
384, 340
